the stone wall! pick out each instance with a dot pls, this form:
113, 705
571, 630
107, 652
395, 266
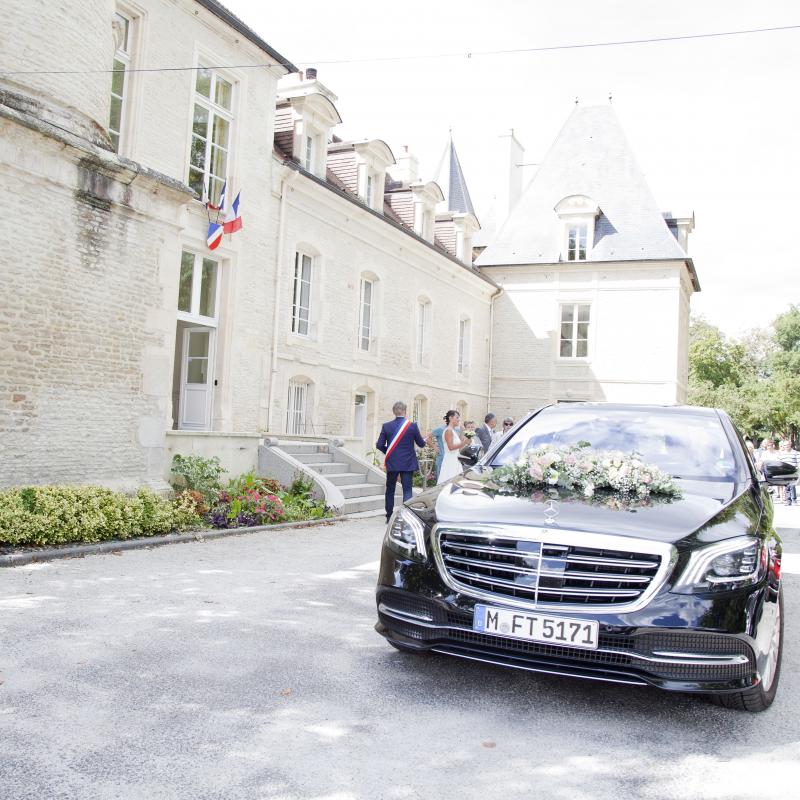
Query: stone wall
87, 276
348, 242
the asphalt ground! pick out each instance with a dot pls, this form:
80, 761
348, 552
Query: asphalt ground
248, 668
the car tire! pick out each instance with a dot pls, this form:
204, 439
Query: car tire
757, 698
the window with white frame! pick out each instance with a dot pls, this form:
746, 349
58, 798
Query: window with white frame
365, 323
370, 191
463, 345
212, 120
574, 341
310, 153
301, 302
198, 288
576, 242
423, 332
123, 35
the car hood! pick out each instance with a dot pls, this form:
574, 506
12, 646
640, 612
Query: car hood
704, 512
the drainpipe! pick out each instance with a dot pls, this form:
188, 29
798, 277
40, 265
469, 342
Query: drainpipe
497, 294
278, 288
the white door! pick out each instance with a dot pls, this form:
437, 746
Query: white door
196, 378
296, 408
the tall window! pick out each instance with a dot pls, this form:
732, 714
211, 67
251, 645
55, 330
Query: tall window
370, 190
301, 304
576, 243
574, 330
211, 133
308, 161
197, 289
119, 78
423, 332
463, 346
365, 321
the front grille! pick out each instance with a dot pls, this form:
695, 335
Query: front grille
542, 572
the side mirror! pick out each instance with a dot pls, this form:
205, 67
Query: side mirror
470, 455
780, 473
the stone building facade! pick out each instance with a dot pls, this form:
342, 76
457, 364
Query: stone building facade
124, 339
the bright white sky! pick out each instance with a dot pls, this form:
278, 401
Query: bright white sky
712, 122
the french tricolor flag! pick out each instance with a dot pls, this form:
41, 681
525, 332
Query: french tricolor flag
233, 219
214, 236
221, 206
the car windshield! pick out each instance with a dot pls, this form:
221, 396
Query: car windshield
684, 445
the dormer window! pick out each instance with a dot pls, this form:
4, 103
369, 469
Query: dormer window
372, 158
426, 196
313, 116
577, 214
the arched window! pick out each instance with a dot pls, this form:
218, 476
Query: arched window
298, 404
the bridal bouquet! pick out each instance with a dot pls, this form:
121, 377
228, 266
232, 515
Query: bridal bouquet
580, 469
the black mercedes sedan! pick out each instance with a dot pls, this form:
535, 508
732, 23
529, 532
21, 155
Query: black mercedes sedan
528, 561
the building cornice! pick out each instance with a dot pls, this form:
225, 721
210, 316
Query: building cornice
621, 263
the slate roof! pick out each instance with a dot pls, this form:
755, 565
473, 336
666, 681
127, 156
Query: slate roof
591, 157
458, 198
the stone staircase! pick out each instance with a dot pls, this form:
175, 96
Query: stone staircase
360, 484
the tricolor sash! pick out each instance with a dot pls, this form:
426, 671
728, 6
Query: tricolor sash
399, 435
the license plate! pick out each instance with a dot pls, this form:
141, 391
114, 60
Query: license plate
536, 627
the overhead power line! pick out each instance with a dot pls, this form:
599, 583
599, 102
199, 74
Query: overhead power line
420, 57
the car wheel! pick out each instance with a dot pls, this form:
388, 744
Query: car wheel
760, 697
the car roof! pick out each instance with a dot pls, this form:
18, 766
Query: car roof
640, 407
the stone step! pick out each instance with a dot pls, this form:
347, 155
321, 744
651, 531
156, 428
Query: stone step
296, 448
330, 468
361, 489
356, 505
346, 478
313, 458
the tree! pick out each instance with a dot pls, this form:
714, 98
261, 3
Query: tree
786, 357
712, 359
755, 379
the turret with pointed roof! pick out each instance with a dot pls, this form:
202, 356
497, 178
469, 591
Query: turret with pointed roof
592, 161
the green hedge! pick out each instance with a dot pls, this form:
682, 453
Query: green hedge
46, 515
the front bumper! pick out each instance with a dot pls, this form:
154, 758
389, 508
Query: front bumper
665, 645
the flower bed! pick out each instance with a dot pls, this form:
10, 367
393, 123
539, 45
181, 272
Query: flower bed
58, 515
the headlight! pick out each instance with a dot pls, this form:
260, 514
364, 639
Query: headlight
406, 534
725, 565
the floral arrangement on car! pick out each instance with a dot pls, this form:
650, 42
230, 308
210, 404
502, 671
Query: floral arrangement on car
583, 471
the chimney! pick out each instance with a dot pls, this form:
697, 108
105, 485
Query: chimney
407, 167
311, 74
509, 176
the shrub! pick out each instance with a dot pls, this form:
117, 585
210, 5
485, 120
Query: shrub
197, 474
47, 515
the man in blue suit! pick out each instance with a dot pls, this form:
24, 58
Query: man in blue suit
396, 442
